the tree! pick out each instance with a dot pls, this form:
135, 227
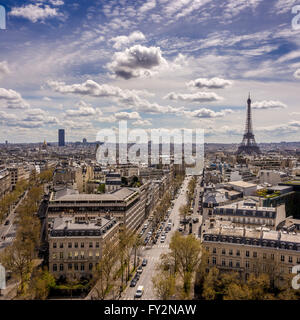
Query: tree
42, 283
105, 272
183, 259
184, 211
164, 285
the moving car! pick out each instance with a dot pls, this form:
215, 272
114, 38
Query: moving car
162, 239
139, 291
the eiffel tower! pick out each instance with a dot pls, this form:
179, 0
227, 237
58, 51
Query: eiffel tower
248, 145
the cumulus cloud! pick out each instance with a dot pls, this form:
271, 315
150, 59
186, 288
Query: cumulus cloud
204, 113
12, 99
136, 61
33, 118
122, 96
83, 110
213, 83
297, 74
266, 105
4, 69
142, 123
194, 97
57, 2
149, 5
128, 116
35, 12
125, 40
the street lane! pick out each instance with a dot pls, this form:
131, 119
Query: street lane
153, 254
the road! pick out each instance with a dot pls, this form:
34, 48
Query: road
153, 254
9, 231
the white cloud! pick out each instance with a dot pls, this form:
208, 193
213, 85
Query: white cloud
12, 99
57, 2
213, 83
204, 113
266, 105
34, 12
47, 99
284, 6
4, 69
83, 110
297, 74
142, 123
125, 40
136, 61
149, 5
194, 97
127, 116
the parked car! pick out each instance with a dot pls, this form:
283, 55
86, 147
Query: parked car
195, 220
162, 240
133, 282
139, 291
139, 269
144, 263
180, 229
6, 222
137, 276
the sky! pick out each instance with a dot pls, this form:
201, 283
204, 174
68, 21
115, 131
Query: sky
86, 65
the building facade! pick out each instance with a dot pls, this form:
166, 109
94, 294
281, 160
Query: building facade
76, 248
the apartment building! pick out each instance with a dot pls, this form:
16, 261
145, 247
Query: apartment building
250, 250
5, 182
127, 205
18, 173
76, 248
248, 213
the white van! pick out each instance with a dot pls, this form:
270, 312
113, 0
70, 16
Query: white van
139, 291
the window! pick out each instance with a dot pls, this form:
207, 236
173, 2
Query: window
214, 260
82, 245
230, 263
55, 267
54, 256
214, 250
238, 252
61, 255
298, 260
61, 245
230, 252
207, 249
282, 258
69, 266
90, 266
247, 264
61, 267
98, 254
237, 264
223, 262
76, 255
70, 245
264, 256
91, 244
90, 254
54, 244
223, 251
290, 259
82, 254
70, 255
247, 254
75, 266
272, 256
82, 267
76, 245
290, 270
254, 254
